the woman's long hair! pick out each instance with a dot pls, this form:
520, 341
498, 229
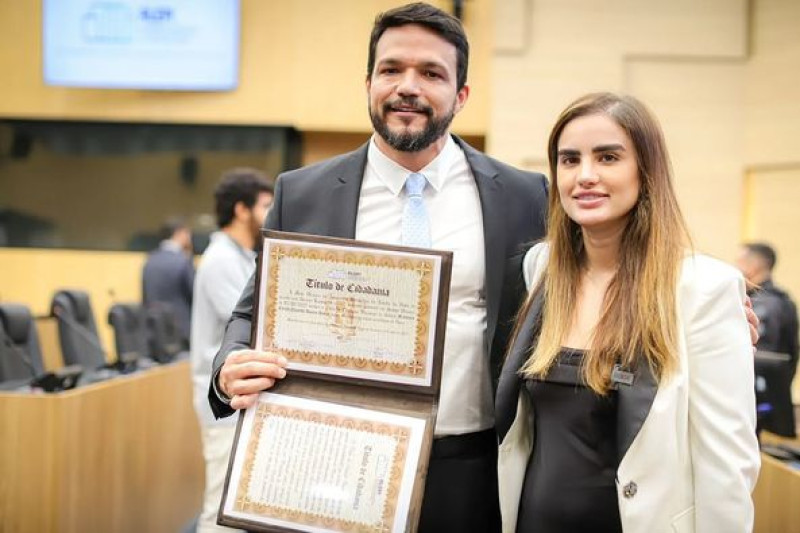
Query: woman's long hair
639, 313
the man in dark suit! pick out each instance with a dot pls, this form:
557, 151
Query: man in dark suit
776, 310
778, 332
168, 274
484, 211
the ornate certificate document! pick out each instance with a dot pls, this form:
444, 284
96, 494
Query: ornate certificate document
341, 444
306, 465
358, 310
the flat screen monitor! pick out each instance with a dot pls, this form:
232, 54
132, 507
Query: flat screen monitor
190, 45
774, 375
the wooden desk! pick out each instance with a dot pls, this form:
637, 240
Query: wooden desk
121, 455
777, 493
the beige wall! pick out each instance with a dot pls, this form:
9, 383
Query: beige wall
699, 105
566, 49
772, 90
722, 76
772, 135
303, 64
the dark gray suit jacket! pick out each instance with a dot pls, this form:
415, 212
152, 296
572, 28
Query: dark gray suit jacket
168, 277
322, 199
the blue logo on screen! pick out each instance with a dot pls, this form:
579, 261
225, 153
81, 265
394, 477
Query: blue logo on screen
156, 14
107, 22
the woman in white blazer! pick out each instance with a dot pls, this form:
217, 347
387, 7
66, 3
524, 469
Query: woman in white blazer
626, 402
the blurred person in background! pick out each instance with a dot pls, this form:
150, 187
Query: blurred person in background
242, 199
774, 307
777, 314
168, 274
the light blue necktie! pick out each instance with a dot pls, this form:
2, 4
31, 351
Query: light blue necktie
416, 226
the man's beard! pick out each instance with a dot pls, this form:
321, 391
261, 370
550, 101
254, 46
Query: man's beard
408, 141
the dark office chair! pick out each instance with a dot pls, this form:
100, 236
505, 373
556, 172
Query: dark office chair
77, 331
20, 354
130, 331
164, 335
130, 337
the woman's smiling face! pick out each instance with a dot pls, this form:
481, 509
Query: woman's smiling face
597, 173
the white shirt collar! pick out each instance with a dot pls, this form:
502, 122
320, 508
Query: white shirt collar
394, 175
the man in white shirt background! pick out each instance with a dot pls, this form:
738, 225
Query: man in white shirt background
242, 200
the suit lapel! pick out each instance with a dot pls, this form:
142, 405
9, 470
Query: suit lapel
633, 405
490, 189
343, 196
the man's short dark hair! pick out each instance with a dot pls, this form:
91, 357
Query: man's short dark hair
443, 24
764, 251
238, 185
171, 226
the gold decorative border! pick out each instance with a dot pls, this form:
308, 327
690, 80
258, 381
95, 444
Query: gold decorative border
296, 516
416, 368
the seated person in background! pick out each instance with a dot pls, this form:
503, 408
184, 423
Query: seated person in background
242, 199
632, 353
168, 274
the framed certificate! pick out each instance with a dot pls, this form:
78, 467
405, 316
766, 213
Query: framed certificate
353, 310
342, 443
310, 465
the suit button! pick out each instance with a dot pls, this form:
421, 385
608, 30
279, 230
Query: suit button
629, 490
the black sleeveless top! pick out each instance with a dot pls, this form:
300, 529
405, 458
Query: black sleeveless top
569, 483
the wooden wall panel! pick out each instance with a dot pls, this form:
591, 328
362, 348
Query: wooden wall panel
699, 104
32, 276
773, 216
579, 46
772, 129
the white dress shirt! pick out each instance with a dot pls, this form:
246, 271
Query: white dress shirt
456, 223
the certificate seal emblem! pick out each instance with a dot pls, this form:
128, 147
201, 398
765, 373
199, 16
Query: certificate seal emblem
342, 316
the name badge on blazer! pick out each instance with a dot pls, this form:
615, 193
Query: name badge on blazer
621, 377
